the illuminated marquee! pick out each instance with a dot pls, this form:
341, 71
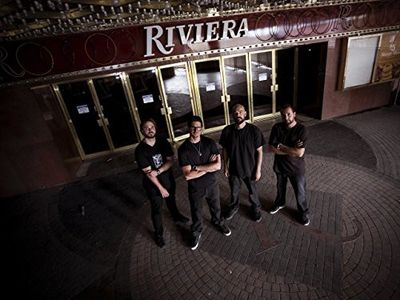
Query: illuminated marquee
136, 45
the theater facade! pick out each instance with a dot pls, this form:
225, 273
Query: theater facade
80, 90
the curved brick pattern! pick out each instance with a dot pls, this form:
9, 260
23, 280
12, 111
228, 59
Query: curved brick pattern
301, 262
370, 207
351, 250
382, 133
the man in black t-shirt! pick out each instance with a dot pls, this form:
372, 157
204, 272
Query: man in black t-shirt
288, 141
199, 159
242, 143
154, 156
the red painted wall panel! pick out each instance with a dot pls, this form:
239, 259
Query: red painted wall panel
339, 103
21, 60
29, 159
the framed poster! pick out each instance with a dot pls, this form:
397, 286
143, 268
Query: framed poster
359, 61
388, 57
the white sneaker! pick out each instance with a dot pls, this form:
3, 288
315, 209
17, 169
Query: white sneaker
275, 209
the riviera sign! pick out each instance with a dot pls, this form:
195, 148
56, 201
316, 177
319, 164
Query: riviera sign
89, 53
192, 34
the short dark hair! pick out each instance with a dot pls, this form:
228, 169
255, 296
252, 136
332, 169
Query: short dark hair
287, 105
238, 105
148, 120
194, 119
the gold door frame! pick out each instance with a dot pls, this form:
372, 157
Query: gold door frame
165, 110
274, 87
197, 100
126, 88
102, 119
55, 89
70, 123
165, 98
225, 88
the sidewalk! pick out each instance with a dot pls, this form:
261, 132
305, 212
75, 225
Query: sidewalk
92, 239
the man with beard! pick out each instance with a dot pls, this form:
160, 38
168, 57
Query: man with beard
199, 159
288, 141
154, 156
242, 144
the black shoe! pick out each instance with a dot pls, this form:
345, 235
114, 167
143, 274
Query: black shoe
181, 219
230, 213
224, 229
160, 241
257, 216
305, 221
275, 209
195, 242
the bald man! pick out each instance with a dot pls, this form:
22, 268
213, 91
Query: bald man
242, 144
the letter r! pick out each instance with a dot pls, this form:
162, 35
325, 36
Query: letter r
150, 38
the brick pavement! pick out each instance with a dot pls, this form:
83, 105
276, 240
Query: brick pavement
350, 250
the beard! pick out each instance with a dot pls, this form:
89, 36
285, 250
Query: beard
289, 122
239, 120
150, 134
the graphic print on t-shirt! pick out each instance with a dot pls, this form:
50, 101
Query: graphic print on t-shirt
157, 160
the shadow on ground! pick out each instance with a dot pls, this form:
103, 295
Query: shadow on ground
333, 140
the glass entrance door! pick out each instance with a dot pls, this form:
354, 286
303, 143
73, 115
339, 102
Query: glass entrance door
178, 97
83, 114
262, 83
115, 111
147, 98
235, 71
210, 93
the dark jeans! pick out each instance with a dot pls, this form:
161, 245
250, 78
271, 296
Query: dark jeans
156, 209
235, 183
196, 196
299, 186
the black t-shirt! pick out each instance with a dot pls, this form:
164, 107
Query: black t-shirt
155, 156
189, 154
289, 137
241, 146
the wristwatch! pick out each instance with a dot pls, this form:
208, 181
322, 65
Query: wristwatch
194, 168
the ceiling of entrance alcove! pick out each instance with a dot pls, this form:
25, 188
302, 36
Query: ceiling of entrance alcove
26, 19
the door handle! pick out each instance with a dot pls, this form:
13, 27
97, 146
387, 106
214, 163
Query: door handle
274, 88
166, 111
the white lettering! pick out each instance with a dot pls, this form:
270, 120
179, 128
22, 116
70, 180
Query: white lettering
185, 37
202, 32
243, 28
170, 38
199, 37
212, 34
228, 30
150, 38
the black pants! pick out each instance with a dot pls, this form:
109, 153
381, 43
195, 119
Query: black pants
196, 196
299, 186
235, 183
156, 209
